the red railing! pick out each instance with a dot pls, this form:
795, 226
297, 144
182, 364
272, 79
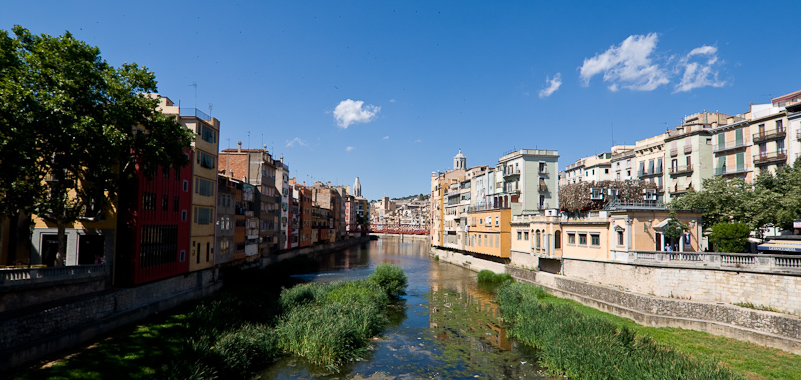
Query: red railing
389, 228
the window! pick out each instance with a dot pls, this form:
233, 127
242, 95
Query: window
519, 235
148, 201
183, 255
525, 235
537, 235
497, 241
203, 215
557, 240
606, 171
620, 237
177, 174
571, 238
204, 187
595, 239
166, 172
206, 160
208, 134
186, 185
582, 239
175, 200
165, 203
183, 215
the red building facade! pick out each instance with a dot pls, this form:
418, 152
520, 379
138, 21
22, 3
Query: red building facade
153, 225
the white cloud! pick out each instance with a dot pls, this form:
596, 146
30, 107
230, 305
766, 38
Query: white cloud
418, 141
628, 65
553, 85
386, 137
700, 69
348, 149
297, 141
351, 111
392, 100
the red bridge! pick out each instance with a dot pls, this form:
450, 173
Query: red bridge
400, 229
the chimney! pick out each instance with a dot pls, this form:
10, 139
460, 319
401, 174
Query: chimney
239, 149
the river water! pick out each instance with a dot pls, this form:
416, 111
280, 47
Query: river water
446, 327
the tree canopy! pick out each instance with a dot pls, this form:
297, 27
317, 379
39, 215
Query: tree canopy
70, 118
73, 126
773, 200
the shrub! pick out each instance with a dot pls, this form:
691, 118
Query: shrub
491, 278
730, 237
390, 278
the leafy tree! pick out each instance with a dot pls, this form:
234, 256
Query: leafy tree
722, 201
777, 197
70, 120
674, 229
730, 237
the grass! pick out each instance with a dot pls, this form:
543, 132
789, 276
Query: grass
239, 331
750, 305
752, 361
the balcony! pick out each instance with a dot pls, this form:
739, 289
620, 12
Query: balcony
770, 135
511, 172
194, 112
681, 170
676, 190
736, 145
735, 170
770, 157
543, 170
543, 187
688, 149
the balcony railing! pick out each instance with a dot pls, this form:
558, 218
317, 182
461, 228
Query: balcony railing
485, 207
511, 172
194, 112
680, 190
770, 135
543, 170
709, 260
688, 149
768, 157
681, 169
735, 170
737, 144
543, 188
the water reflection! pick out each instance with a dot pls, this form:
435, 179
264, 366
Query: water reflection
446, 327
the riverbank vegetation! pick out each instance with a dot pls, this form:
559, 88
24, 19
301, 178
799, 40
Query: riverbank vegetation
582, 346
488, 277
748, 360
241, 330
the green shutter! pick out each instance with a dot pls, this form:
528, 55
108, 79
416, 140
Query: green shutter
740, 161
738, 137
721, 140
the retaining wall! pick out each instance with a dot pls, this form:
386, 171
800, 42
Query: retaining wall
466, 261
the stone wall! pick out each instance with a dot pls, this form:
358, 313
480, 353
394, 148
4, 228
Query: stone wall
780, 290
466, 261
766, 328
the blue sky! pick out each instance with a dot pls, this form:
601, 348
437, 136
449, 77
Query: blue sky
390, 91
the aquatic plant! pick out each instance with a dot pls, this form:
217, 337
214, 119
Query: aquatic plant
582, 346
391, 278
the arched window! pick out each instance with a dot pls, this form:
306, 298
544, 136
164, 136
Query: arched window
557, 240
538, 238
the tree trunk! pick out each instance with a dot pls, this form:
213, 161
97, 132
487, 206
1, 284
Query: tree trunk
61, 255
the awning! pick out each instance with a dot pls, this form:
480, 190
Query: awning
781, 246
662, 224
